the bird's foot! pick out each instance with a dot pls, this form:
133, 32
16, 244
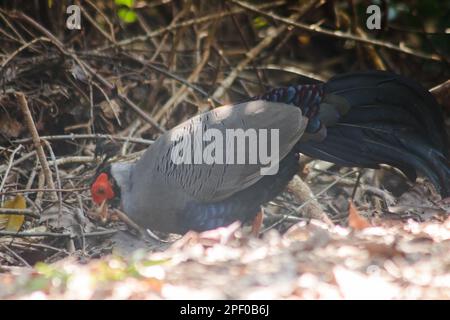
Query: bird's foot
221, 235
100, 213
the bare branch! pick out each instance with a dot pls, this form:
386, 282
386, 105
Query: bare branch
337, 34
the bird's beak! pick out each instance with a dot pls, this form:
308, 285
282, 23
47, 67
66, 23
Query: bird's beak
102, 211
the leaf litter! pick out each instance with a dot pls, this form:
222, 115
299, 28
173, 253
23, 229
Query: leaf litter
310, 261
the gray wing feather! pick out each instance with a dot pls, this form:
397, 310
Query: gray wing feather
213, 182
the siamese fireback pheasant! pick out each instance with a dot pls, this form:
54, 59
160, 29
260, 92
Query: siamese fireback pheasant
358, 119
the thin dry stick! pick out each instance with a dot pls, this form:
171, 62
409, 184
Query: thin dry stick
110, 37
187, 23
87, 69
170, 75
42, 190
58, 180
443, 87
17, 33
144, 25
96, 136
10, 164
183, 91
109, 103
252, 54
336, 34
75, 159
41, 185
370, 49
132, 129
15, 53
29, 245
306, 196
17, 256
31, 177
127, 220
171, 57
36, 140
67, 160
442, 93
293, 69
22, 212
18, 161
25, 234
178, 16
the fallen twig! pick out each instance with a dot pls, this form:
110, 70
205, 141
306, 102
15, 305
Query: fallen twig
88, 70
16, 255
183, 91
96, 136
8, 168
24, 212
36, 140
252, 54
26, 234
18, 161
127, 220
42, 190
442, 94
58, 179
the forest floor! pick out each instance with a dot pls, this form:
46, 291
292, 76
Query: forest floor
311, 261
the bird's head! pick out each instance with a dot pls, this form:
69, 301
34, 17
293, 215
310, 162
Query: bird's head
104, 187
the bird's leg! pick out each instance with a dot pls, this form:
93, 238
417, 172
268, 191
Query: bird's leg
257, 222
220, 235
101, 212
130, 223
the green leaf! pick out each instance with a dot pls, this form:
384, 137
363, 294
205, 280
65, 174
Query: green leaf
39, 283
127, 15
126, 3
260, 22
150, 263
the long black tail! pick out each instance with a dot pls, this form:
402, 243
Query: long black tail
387, 119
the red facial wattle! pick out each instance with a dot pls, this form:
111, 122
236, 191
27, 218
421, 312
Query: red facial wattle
101, 189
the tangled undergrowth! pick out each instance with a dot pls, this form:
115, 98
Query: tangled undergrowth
137, 69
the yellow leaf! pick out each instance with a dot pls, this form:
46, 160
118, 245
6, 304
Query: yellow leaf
304, 39
13, 222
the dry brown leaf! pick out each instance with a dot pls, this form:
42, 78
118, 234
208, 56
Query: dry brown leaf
13, 222
111, 109
10, 127
355, 220
381, 249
